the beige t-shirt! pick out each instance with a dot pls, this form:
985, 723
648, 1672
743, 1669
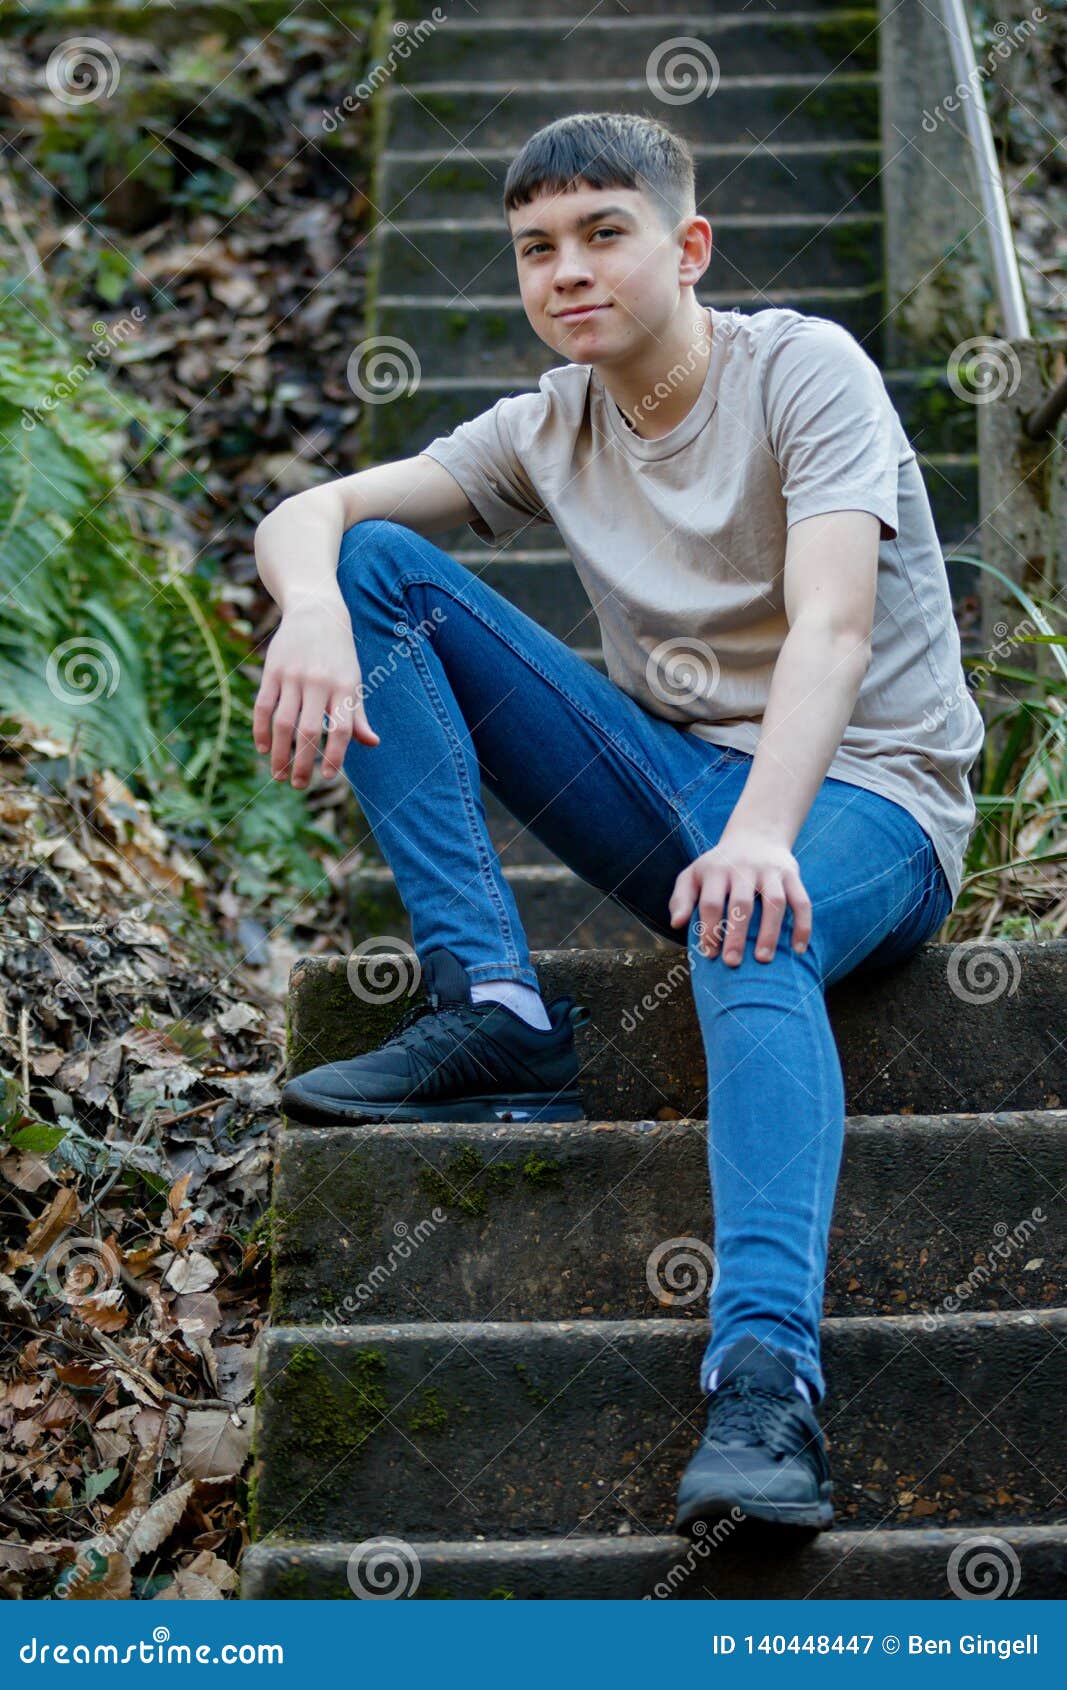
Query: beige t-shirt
680, 542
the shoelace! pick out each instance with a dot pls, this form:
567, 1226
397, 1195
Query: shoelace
439, 1041
741, 1405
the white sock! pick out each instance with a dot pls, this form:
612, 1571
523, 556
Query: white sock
799, 1384
526, 1001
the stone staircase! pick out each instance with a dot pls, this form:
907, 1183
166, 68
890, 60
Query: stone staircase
788, 156
474, 1353
471, 1351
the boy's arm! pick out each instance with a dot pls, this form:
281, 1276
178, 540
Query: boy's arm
830, 582
831, 572
298, 543
311, 675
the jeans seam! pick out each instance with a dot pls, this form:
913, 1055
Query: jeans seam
465, 792
621, 747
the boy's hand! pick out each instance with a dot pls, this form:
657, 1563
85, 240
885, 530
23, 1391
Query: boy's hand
311, 671
742, 864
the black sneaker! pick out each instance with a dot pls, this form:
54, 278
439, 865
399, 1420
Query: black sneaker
449, 1059
763, 1451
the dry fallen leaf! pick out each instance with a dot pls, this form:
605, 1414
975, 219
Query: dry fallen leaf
213, 1446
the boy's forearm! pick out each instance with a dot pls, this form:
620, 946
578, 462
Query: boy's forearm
816, 679
297, 547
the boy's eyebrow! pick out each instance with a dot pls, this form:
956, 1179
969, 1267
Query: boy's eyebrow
581, 222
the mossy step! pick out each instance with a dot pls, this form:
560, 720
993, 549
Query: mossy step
523, 1430
444, 254
813, 176
975, 1026
576, 11
474, 115
167, 25
558, 911
522, 1222
731, 44
911, 1563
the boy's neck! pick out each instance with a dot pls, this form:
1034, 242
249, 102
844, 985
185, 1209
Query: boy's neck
649, 398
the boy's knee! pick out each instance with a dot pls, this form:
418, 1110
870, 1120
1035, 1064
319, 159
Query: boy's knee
368, 545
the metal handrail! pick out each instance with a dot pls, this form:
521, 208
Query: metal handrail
995, 207
990, 187
1012, 300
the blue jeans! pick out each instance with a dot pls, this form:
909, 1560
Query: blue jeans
465, 690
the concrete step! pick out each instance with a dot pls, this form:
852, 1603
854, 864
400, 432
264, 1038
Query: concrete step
519, 1430
443, 254
577, 11
936, 422
772, 109
732, 44
973, 1027
558, 911
909, 1563
569, 1221
823, 177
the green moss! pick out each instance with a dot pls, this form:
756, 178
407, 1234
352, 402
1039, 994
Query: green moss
851, 40
465, 1181
859, 245
532, 1391
539, 1172
456, 324
495, 326
327, 1413
428, 1415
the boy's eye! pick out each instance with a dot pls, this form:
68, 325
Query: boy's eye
530, 250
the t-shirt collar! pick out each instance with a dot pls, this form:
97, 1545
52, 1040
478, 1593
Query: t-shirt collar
690, 425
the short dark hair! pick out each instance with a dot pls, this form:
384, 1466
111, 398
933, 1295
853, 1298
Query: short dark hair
605, 150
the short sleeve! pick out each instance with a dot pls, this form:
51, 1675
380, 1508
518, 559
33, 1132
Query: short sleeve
831, 424
481, 456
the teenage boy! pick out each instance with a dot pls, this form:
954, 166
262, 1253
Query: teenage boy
772, 771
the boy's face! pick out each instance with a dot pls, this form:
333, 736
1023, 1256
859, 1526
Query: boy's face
603, 247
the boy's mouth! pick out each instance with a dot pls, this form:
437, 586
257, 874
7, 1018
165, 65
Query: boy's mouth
580, 311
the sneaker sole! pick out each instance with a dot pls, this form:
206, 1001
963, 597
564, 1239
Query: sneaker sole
711, 1510
521, 1106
